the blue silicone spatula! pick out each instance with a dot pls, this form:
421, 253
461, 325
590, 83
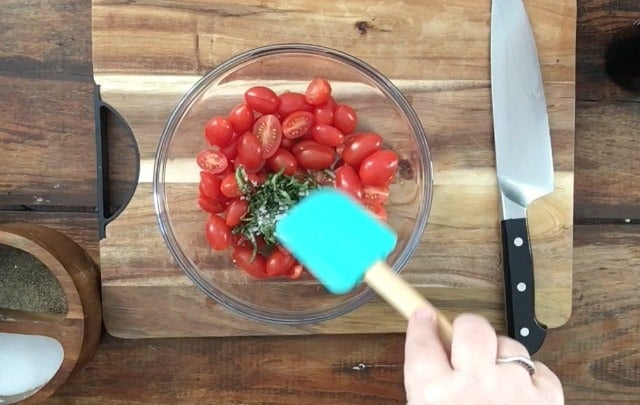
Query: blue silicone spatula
341, 244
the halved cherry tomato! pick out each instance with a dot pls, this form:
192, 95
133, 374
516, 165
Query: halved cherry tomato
359, 146
212, 161
283, 160
318, 91
348, 181
235, 211
250, 151
262, 99
269, 131
279, 263
315, 156
323, 113
297, 124
327, 135
242, 258
377, 210
345, 118
322, 178
379, 168
210, 205
296, 272
241, 118
290, 102
210, 185
218, 233
218, 132
378, 195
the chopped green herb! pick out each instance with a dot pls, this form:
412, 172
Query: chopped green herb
268, 202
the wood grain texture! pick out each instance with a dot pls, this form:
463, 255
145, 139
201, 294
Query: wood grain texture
45, 71
607, 177
607, 117
143, 75
599, 22
596, 354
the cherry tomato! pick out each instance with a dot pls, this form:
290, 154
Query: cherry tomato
283, 160
379, 168
298, 147
360, 146
231, 150
290, 102
318, 91
315, 156
323, 114
279, 263
218, 233
241, 118
297, 124
268, 130
378, 195
250, 151
327, 135
345, 118
242, 258
218, 132
377, 210
210, 205
296, 272
229, 187
235, 211
210, 185
283, 250
262, 99
212, 161
287, 143
348, 181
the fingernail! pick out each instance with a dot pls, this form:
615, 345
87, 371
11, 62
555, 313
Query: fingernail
425, 314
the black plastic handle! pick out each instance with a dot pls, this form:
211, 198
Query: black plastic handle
519, 292
107, 207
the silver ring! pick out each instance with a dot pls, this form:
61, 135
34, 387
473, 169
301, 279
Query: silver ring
523, 361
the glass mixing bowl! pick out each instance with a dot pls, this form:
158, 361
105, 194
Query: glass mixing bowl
381, 108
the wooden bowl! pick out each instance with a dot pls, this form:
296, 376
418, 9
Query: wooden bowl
79, 329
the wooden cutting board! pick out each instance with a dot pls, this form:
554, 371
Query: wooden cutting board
146, 54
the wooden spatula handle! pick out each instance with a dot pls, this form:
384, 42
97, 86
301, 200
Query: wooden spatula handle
404, 298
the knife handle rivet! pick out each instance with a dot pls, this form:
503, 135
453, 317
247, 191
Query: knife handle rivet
522, 287
524, 332
518, 241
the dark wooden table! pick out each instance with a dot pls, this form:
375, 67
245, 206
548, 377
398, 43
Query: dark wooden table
47, 175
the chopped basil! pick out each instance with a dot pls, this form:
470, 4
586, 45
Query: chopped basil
268, 203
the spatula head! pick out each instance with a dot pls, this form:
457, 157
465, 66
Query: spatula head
335, 237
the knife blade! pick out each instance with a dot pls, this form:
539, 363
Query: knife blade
524, 162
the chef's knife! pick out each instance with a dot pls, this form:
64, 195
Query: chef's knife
523, 158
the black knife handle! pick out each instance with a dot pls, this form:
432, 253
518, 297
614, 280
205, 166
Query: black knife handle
519, 292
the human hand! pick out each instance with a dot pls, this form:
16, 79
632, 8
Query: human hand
471, 375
